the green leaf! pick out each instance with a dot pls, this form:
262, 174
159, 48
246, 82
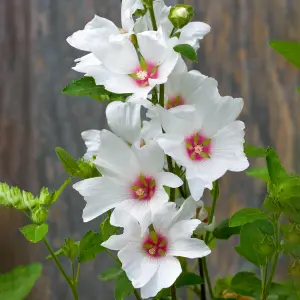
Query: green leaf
17, 284
224, 232
247, 215
60, 251
187, 278
222, 284
256, 242
107, 230
90, 246
68, 162
245, 283
86, 86
112, 273
16, 198
290, 50
34, 233
123, 287
180, 15
275, 169
86, 169
259, 172
298, 89
252, 151
70, 248
187, 51
39, 214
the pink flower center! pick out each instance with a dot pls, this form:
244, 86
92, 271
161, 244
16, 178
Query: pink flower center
143, 188
198, 147
173, 102
155, 245
141, 75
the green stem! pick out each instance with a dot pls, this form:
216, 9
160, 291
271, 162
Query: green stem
172, 32
275, 259
170, 168
207, 279
73, 288
162, 95
137, 296
202, 294
173, 292
215, 195
78, 274
152, 15
73, 271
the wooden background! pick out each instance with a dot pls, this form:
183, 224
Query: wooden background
35, 117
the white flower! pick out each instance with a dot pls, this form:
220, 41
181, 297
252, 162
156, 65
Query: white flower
124, 119
116, 64
132, 180
209, 142
149, 256
98, 27
191, 34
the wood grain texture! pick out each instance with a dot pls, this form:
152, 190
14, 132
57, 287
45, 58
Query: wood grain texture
35, 117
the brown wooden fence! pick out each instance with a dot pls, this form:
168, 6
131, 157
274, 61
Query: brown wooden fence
35, 117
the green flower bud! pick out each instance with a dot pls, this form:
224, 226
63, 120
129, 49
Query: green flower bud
180, 15
39, 215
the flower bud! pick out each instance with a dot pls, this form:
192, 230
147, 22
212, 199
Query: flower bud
181, 15
39, 215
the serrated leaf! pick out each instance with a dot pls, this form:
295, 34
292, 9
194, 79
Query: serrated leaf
17, 284
123, 287
259, 172
187, 51
60, 251
90, 246
224, 232
187, 278
275, 169
252, 151
16, 198
34, 233
107, 230
254, 241
68, 162
70, 248
111, 274
247, 215
290, 50
86, 86
86, 169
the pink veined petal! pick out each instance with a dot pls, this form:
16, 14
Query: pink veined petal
139, 267
168, 271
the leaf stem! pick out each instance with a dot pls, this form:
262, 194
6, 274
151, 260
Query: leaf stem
78, 274
61, 269
173, 292
170, 168
162, 95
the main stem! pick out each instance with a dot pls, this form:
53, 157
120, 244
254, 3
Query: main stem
137, 296
152, 15
207, 279
201, 273
61, 269
173, 292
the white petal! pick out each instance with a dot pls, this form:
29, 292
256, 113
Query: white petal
151, 129
98, 22
152, 46
193, 32
183, 229
116, 157
168, 271
85, 63
101, 195
128, 8
168, 179
124, 119
150, 158
117, 54
186, 211
92, 142
138, 266
190, 248
196, 186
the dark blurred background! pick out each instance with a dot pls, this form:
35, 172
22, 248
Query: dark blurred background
35, 117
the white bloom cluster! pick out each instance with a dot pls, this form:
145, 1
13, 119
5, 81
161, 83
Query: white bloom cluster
196, 128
